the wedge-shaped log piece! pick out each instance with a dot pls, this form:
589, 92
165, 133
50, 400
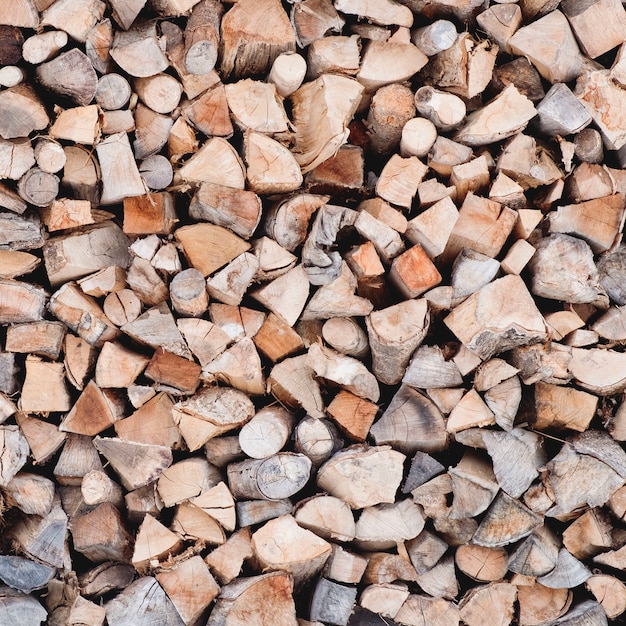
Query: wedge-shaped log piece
137, 51
578, 480
506, 521
465, 67
386, 62
190, 600
137, 464
205, 339
216, 162
226, 560
16, 158
14, 450
610, 592
293, 382
118, 366
352, 414
498, 317
73, 256
394, 333
139, 602
270, 594
236, 209
429, 369
100, 535
381, 12
70, 74
483, 225
567, 573
120, 176
209, 247
601, 97
432, 228
538, 603
611, 325
537, 554
274, 260
585, 21
494, 602
480, 563
563, 407
43, 539
550, 46
383, 526
240, 367
301, 553
91, 414
154, 542
254, 105
156, 328
169, 369
599, 222
276, 339
343, 370
503, 117
24, 574
22, 13
612, 270
337, 299
561, 113
440, 581
385, 600
43, 438
211, 412
219, 504
327, 516
600, 371
286, 295
272, 168
589, 535
500, 23
82, 314
22, 112
14, 263
20, 232
419, 610
253, 35
517, 457
363, 476
399, 180
21, 302
580, 283
410, 423
322, 110
44, 389
193, 524
474, 486
186, 480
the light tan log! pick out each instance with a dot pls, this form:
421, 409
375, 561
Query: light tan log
188, 293
302, 554
333, 55
79, 80
22, 112
394, 333
317, 439
557, 57
272, 593
266, 433
362, 475
287, 73
434, 38
321, 119
418, 136
253, 35
445, 110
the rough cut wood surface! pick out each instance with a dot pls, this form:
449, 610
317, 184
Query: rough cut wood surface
311, 313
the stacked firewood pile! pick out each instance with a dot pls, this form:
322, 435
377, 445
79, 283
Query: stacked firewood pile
312, 312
